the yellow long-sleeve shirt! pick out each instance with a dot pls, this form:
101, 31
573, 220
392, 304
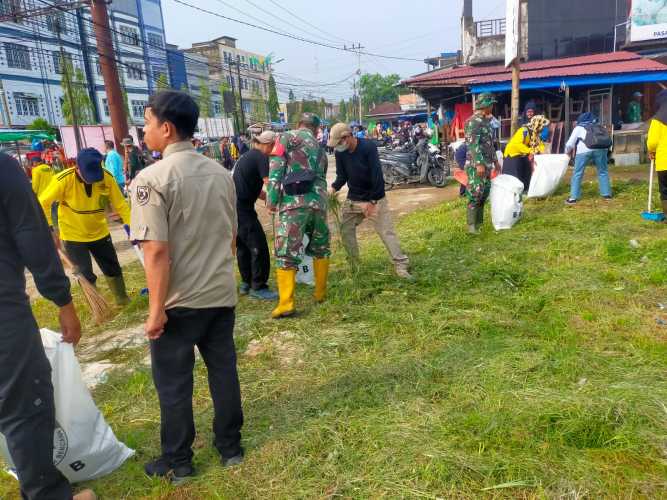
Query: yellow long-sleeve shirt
657, 143
81, 214
41, 177
519, 144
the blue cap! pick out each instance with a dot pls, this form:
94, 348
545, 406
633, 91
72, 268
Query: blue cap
89, 162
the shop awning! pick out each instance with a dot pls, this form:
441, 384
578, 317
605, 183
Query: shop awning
599, 69
23, 135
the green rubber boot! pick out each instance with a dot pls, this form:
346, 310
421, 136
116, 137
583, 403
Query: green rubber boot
117, 287
472, 220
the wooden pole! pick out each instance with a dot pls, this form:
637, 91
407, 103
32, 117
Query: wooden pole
516, 78
567, 111
105, 49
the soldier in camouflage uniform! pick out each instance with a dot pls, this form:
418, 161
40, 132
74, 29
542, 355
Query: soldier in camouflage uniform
480, 161
297, 193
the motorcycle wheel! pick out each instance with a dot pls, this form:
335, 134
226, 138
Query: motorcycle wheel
436, 176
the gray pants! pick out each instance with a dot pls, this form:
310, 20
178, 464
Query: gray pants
353, 215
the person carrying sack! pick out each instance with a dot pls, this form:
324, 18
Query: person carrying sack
524, 145
297, 194
657, 145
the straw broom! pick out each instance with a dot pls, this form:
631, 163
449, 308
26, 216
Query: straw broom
98, 305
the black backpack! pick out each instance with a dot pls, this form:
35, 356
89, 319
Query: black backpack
597, 137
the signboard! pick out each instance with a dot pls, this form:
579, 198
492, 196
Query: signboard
648, 20
512, 31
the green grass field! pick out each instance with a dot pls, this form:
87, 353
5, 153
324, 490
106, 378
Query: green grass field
522, 364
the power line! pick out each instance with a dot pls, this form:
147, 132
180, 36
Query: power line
289, 35
308, 23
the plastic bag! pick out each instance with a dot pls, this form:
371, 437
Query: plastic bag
549, 172
85, 447
506, 201
305, 273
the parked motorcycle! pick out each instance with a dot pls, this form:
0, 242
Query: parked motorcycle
419, 164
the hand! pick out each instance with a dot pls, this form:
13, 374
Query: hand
531, 157
651, 155
370, 209
481, 170
70, 326
332, 191
154, 326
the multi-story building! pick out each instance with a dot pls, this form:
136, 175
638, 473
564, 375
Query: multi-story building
226, 63
31, 60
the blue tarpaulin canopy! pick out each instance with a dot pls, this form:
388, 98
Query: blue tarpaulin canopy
574, 81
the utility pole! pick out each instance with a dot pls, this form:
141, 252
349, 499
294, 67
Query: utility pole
105, 49
357, 48
238, 74
236, 114
68, 84
513, 55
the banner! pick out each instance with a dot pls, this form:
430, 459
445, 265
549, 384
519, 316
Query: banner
648, 20
512, 31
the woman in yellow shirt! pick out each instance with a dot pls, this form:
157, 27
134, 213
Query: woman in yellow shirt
83, 194
526, 142
657, 145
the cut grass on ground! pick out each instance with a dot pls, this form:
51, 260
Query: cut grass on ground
520, 364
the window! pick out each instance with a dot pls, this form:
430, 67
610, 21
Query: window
26, 106
129, 35
98, 67
57, 22
138, 108
105, 106
11, 8
18, 56
217, 108
135, 71
57, 61
155, 41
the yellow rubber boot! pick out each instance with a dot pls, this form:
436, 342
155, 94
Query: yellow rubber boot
321, 268
286, 279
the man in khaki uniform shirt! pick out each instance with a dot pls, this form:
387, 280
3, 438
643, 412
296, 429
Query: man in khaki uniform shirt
184, 213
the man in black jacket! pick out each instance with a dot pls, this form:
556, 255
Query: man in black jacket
358, 166
27, 412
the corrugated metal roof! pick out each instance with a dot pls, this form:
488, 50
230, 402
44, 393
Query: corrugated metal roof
598, 64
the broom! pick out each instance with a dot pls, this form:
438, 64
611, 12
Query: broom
649, 214
98, 305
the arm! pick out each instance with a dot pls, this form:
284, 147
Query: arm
377, 191
572, 141
653, 138
31, 233
118, 202
277, 167
341, 174
54, 192
517, 145
156, 263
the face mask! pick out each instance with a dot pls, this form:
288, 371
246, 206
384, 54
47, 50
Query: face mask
341, 148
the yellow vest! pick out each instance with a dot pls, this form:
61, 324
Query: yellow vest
657, 143
41, 177
82, 217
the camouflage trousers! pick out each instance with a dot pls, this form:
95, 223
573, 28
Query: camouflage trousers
478, 187
290, 228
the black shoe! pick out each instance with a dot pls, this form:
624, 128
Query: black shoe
162, 468
232, 461
608, 197
570, 201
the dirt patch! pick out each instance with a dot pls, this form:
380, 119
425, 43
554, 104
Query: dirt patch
284, 345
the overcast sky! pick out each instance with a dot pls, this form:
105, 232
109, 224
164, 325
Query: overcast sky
407, 28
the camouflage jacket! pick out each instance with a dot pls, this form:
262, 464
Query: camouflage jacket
294, 151
479, 138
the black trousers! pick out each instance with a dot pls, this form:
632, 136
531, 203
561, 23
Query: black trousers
662, 184
173, 360
27, 411
252, 250
519, 167
103, 252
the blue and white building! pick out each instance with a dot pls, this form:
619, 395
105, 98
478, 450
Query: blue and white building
30, 60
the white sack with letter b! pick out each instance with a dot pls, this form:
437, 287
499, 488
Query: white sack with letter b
85, 447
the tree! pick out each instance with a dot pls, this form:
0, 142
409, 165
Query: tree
274, 106
76, 95
291, 96
259, 113
205, 103
376, 88
342, 111
323, 109
42, 124
126, 103
162, 83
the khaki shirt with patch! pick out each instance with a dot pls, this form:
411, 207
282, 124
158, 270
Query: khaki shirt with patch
189, 201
